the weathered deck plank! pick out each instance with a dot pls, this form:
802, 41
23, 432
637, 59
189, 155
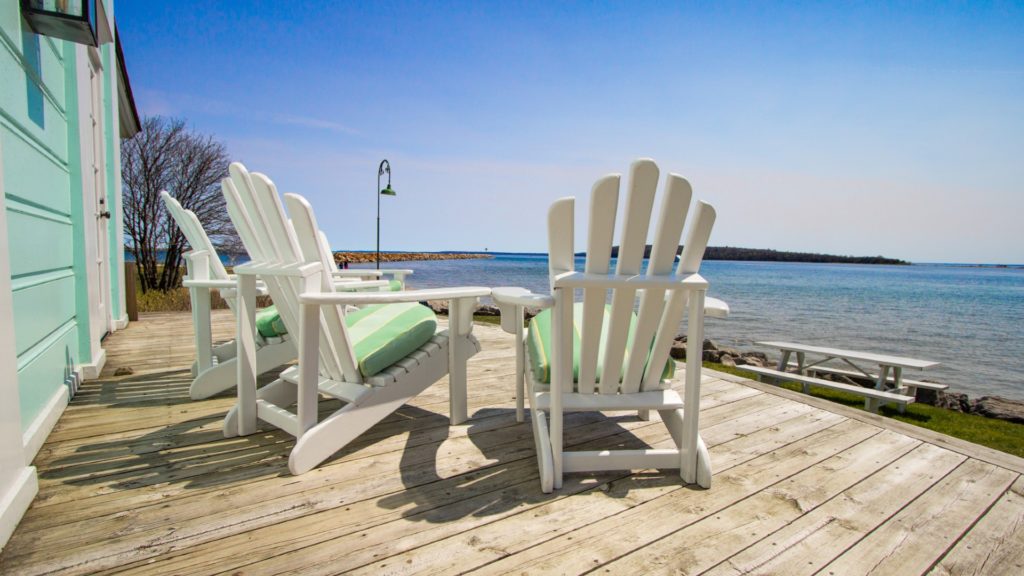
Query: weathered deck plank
137, 478
996, 543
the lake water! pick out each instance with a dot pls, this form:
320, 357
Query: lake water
971, 319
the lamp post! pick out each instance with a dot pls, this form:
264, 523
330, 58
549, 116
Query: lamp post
385, 167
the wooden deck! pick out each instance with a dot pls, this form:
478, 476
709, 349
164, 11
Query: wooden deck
137, 478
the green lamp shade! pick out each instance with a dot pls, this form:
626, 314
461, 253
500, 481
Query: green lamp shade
388, 191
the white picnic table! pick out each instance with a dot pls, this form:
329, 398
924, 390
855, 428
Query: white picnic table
886, 363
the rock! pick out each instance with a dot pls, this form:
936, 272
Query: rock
438, 306
731, 352
739, 360
712, 356
708, 343
727, 360
754, 354
124, 371
954, 401
678, 350
487, 310
1001, 408
754, 361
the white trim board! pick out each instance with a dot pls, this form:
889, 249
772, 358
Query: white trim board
92, 370
16, 501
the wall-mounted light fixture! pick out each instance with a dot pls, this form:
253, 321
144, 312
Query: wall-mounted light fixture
79, 21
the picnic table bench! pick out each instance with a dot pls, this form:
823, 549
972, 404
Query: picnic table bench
890, 387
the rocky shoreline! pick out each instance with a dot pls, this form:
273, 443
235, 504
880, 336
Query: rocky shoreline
371, 257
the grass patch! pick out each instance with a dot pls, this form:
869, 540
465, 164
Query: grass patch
178, 300
997, 434
493, 320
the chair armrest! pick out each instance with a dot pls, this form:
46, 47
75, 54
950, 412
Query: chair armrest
514, 296
209, 283
636, 282
362, 298
359, 284
357, 273
715, 308
512, 300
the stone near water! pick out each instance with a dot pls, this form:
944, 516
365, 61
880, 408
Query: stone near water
954, 401
1001, 408
754, 360
487, 310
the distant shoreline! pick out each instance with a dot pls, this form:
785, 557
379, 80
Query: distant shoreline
714, 253
367, 257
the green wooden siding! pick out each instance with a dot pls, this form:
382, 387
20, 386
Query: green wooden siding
45, 215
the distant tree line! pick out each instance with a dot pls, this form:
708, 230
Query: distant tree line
766, 255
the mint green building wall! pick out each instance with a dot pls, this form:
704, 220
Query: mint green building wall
39, 128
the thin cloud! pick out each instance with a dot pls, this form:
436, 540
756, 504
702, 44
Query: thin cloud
308, 122
163, 103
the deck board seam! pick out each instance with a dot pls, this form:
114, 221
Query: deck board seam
974, 523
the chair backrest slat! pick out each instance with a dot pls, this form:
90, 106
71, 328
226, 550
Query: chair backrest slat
243, 225
311, 242
197, 238
643, 184
258, 253
281, 237
693, 252
560, 237
672, 217
244, 201
604, 201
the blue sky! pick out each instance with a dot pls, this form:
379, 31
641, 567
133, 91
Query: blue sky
849, 128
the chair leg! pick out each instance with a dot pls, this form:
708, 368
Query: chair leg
279, 392
246, 358
222, 376
673, 420
542, 444
703, 464
337, 430
213, 380
520, 365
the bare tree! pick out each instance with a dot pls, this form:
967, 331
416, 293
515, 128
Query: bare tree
166, 155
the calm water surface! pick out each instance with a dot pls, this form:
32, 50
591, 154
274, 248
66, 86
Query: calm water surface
970, 319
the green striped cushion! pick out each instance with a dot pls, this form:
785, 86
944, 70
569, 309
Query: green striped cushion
383, 334
269, 324
538, 343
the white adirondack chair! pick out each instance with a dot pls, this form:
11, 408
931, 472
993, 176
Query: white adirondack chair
214, 369
295, 268
616, 371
